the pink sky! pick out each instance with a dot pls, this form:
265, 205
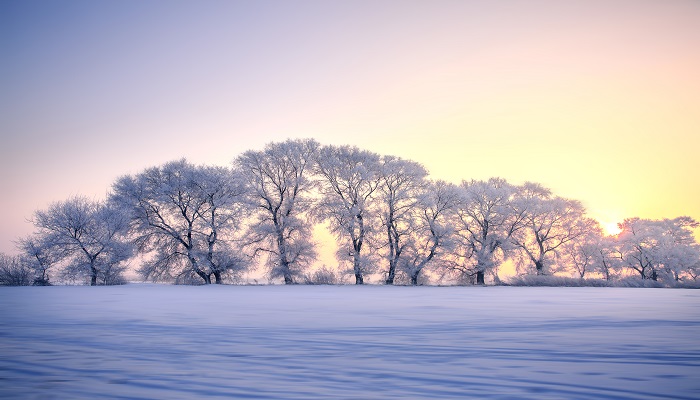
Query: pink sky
598, 100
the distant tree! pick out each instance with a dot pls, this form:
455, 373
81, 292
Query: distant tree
549, 222
400, 184
585, 255
88, 236
40, 257
431, 238
486, 220
185, 216
349, 181
13, 272
658, 248
280, 185
693, 271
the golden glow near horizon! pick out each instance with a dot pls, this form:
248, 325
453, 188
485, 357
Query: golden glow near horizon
610, 228
599, 101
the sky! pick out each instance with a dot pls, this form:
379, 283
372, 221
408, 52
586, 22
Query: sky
597, 100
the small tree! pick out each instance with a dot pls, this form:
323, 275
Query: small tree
13, 272
88, 236
606, 260
40, 257
658, 248
585, 255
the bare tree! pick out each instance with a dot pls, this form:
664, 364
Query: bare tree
178, 212
400, 184
350, 177
279, 183
87, 234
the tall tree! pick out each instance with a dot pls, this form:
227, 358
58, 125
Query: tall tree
280, 185
400, 183
177, 212
221, 219
350, 177
89, 236
432, 237
486, 221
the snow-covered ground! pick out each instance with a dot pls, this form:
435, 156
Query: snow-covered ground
179, 342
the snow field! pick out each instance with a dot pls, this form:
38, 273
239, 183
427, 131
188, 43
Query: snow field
304, 342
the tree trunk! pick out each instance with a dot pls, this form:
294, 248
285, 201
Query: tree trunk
539, 267
359, 280
480, 277
414, 278
392, 273
217, 276
206, 278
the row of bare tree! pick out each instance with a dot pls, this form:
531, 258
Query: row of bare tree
206, 224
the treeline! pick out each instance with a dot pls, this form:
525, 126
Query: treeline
201, 224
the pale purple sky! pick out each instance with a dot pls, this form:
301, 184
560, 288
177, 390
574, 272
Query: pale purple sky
599, 100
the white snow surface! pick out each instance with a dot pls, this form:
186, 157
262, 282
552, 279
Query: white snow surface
145, 341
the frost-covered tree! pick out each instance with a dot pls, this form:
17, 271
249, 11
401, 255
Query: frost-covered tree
41, 257
606, 261
349, 179
658, 248
88, 235
549, 222
280, 188
13, 272
221, 220
185, 217
431, 237
486, 220
400, 184
582, 256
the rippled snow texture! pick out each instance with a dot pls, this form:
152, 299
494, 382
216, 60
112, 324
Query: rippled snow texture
305, 342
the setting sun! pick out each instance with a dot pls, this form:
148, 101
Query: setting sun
611, 228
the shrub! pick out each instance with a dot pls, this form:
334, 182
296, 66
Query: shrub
548, 280
322, 276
